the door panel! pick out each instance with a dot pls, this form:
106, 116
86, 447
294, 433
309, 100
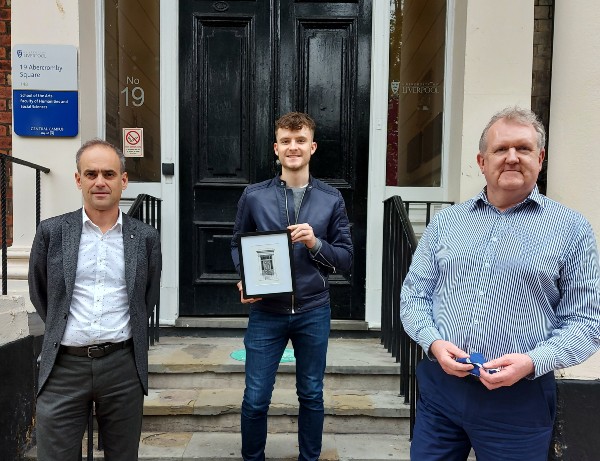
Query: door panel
225, 97
242, 64
324, 70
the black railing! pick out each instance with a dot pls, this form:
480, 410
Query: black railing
147, 209
3, 189
400, 244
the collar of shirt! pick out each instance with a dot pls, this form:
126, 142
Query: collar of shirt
534, 196
86, 219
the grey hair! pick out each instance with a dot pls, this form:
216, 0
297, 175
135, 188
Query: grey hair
517, 115
100, 142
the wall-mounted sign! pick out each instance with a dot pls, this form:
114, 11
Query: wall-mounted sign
133, 142
45, 92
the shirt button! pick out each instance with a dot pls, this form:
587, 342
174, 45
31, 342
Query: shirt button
476, 322
481, 293
494, 239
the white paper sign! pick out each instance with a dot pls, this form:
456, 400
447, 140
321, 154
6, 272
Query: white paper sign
133, 142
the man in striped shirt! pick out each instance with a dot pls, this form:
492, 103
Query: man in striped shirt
514, 276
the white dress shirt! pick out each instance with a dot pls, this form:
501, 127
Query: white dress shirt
99, 309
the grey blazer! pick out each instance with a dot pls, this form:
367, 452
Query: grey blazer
52, 268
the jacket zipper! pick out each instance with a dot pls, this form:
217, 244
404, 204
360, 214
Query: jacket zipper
287, 215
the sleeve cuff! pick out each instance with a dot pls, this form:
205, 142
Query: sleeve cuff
315, 250
543, 361
426, 338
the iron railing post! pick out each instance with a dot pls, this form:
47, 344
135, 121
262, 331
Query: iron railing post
147, 209
401, 243
3, 206
158, 226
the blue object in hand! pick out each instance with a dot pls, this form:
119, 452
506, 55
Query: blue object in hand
477, 360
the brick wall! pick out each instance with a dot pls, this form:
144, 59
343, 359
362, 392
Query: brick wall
542, 68
6, 106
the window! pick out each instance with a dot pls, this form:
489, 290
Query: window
132, 78
415, 100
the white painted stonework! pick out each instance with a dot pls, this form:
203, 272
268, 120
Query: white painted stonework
13, 319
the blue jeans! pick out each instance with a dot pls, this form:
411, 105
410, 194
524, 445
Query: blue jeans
265, 340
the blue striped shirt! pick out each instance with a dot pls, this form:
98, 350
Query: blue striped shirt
525, 280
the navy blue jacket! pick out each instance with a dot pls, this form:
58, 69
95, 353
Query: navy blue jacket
269, 206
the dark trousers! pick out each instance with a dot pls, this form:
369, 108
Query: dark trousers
454, 414
63, 405
265, 341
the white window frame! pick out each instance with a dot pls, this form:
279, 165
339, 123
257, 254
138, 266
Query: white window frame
377, 190
168, 188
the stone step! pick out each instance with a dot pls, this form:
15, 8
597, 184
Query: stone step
194, 362
225, 446
285, 379
218, 410
241, 323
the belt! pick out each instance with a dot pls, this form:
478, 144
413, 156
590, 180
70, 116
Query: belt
97, 350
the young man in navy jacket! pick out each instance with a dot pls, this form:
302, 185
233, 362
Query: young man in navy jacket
315, 214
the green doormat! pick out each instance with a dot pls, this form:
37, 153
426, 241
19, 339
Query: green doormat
240, 354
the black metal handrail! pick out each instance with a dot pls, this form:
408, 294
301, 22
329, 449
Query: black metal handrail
401, 242
3, 187
147, 209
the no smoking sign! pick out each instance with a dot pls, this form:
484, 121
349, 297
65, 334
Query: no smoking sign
133, 142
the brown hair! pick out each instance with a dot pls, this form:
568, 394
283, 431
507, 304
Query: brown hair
295, 121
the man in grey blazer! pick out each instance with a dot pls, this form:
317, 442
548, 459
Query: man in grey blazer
94, 277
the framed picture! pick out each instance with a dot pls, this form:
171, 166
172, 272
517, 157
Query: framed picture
266, 264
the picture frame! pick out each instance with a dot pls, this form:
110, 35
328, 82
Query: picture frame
267, 264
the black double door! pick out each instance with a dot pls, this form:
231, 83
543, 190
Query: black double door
242, 65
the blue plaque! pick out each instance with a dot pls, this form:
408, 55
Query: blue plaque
46, 113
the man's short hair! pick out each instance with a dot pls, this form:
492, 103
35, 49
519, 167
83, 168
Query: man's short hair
294, 121
517, 115
100, 142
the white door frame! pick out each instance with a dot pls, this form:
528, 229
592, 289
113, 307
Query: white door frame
378, 191
169, 135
